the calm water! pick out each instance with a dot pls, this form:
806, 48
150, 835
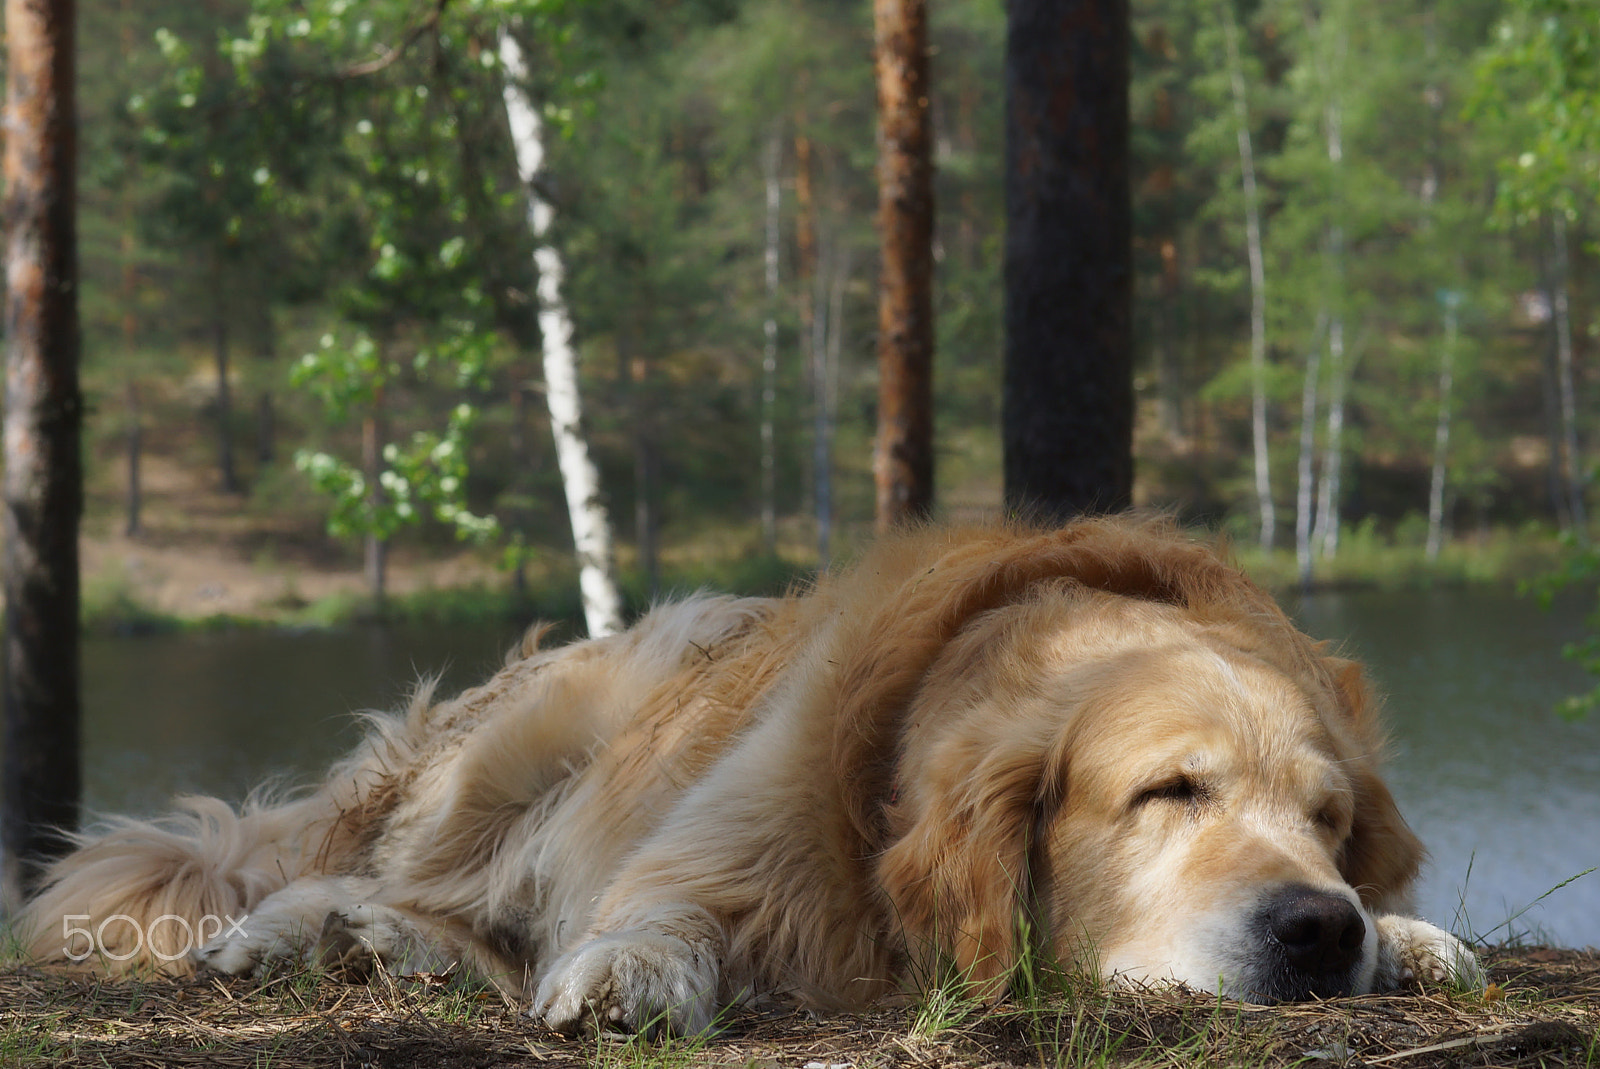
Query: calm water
1496, 784
1488, 776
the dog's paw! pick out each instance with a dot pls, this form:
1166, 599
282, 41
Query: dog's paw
1413, 951
253, 946
637, 980
354, 938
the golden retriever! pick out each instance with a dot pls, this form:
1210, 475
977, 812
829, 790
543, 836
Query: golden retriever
1099, 742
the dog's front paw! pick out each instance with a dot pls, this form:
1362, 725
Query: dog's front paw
252, 945
1412, 951
639, 980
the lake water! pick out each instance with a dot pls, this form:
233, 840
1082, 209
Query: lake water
1490, 778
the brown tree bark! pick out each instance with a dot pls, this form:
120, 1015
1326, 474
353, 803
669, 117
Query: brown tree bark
43, 462
1067, 405
902, 462
228, 473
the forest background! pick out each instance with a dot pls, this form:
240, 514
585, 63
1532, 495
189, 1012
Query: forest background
307, 275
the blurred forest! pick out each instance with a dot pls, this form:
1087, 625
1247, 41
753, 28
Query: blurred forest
1365, 268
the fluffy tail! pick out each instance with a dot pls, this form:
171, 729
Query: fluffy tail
143, 893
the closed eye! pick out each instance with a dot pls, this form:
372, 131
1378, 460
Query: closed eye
1334, 820
1180, 789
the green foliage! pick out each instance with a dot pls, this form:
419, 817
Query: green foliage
1579, 568
1540, 78
426, 475
299, 168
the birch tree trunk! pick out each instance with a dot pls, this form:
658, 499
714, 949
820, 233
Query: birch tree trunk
769, 352
1441, 429
1327, 532
1305, 481
591, 527
1561, 323
1258, 283
1327, 529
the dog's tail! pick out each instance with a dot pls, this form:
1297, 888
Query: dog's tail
143, 893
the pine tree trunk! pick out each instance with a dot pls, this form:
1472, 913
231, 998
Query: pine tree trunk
902, 461
135, 447
43, 477
227, 472
375, 547
635, 370
1258, 284
770, 160
1067, 422
805, 228
591, 527
266, 429
821, 416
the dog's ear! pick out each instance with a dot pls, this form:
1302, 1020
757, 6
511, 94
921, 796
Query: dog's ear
1383, 855
893, 633
958, 876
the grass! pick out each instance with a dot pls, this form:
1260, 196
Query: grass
112, 604
1367, 557
1544, 1011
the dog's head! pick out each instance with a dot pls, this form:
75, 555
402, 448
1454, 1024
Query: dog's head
1144, 770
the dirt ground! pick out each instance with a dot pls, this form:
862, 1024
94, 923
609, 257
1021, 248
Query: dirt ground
1543, 1010
201, 552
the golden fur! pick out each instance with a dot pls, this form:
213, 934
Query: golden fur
1101, 738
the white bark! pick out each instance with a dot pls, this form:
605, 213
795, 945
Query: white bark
591, 527
769, 353
1305, 483
1258, 284
1441, 431
1561, 311
1327, 530
1327, 533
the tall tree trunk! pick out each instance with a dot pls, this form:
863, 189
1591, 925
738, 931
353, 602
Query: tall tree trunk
635, 369
805, 235
266, 429
43, 460
1334, 40
821, 411
228, 473
1329, 497
1258, 283
1305, 482
1441, 429
1561, 325
1068, 382
135, 448
902, 461
266, 421
770, 159
376, 547
591, 527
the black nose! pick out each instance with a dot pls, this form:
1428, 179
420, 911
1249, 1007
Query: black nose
1320, 933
